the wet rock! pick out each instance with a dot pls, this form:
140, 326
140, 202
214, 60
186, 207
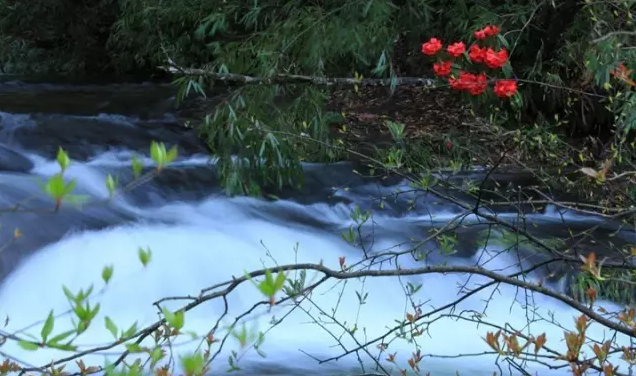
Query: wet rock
84, 137
11, 160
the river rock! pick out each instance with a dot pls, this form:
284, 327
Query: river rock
84, 137
11, 160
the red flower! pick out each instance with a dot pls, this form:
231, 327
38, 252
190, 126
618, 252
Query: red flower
505, 88
443, 68
494, 59
474, 84
479, 84
456, 49
480, 34
460, 83
449, 145
488, 31
491, 30
477, 54
432, 47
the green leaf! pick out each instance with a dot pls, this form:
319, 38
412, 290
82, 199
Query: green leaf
110, 325
156, 355
133, 347
158, 153
144, 256
131, 331
30, 346
55, 186
107, 273
193, 364
60, 337
280, 281
269, 279
503, 41
179, 320
93, 312
63, 346
172, 154
137, 166
47, 329
68, 293
175, 320
111, 184
63, 159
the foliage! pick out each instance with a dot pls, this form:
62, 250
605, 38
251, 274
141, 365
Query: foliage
61, 36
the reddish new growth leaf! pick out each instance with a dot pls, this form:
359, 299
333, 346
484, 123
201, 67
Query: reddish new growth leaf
8, 366
574, 341
608, 370
492, 340
414, 361
591, 295
341, 261
627, 317
622, 73
163, 371
582, 324
513, 344
601, 351
539, 342
628, 355
591, 266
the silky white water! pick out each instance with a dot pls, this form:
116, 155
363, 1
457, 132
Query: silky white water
209, 242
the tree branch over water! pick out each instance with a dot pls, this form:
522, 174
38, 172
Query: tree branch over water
299, 79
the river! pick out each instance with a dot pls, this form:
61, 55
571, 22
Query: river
199, 237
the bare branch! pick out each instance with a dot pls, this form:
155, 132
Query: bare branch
614, 34
299, 79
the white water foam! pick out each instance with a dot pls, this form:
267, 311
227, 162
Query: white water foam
220, 238
217, 244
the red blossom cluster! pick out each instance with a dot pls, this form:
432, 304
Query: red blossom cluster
475, 84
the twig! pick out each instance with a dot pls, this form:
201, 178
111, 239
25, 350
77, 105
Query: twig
614, 34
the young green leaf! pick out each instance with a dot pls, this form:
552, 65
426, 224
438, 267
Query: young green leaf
111, 184
170, 317
47, 329
193, 365
144, 256
175, 320
60, 337
158, 153
179, 317
280, 281
156, 355
134, 347
68, 293
30, 346
63, 159
172, 154
131, 331
63, 346
137, 166
107, 273
110, 325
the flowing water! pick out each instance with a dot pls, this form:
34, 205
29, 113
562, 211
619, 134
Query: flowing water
199, 237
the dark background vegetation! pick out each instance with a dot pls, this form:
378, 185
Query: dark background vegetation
559, 51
